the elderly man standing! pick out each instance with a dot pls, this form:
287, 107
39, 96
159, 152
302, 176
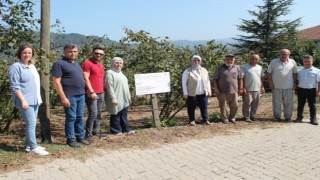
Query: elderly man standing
252, 74
308, 83
227, 84
282, 77
68, 80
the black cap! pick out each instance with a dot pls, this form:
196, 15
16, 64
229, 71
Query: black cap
229, 55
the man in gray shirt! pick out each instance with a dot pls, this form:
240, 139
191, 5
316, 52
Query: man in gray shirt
252, 73
282, 77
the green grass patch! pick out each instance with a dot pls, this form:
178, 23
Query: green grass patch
214, 117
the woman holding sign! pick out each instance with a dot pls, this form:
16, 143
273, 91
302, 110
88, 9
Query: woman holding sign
117, 98
196, 89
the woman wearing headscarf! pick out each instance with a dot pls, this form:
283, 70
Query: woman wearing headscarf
25, 89
196, 89
117, 97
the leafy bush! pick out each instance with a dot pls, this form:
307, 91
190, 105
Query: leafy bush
168, 123
149, 124
214, 117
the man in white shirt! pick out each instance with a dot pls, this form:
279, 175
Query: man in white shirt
282, 76
308, 83
252, 74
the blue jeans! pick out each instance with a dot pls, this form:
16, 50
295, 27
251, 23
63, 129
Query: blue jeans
30, 117
119, 122
74, 125
202, 102
94, 117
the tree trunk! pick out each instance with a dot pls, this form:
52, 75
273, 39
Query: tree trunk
44, 109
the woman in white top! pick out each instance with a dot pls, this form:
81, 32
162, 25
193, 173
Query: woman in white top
25, 89
196, 89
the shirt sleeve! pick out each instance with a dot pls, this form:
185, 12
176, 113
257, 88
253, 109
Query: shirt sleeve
243, 71
262, 72
240, 76
86, 67
270, 68
295, 67
216, 73
14, 78
208, 82
184, 82
110, 86
56, 69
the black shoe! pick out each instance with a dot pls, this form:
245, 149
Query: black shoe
298, 120
225, 121
84, 141
314, 123
252, 118
73, 144
248, 120
277, 119
100, 134
287, 120
90, 139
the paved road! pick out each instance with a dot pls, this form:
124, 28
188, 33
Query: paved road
289, 152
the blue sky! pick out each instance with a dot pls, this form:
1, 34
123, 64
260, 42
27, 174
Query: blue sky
177, 19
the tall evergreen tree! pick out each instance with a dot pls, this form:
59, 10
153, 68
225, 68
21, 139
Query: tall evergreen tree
268, 33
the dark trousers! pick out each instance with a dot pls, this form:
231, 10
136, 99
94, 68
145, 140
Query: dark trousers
94, 114
310, 95
202, 102
119, 122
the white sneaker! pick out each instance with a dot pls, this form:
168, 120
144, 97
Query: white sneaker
39, 151
28, 148
131, 132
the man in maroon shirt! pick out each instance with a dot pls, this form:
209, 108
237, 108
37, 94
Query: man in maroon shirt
93, 73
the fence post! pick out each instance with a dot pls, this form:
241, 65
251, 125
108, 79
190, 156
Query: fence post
155, 111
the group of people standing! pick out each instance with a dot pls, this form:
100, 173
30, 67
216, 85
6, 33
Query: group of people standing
77, 86
89, 84
231, 80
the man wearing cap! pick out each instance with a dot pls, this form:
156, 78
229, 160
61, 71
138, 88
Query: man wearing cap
228, 84
282, 77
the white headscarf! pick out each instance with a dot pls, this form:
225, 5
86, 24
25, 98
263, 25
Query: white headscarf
113, 61
194, 57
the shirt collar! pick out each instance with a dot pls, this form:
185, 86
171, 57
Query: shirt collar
64, 58
312, 67
224, 65
23, 65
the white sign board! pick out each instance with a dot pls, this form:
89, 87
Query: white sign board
152, 83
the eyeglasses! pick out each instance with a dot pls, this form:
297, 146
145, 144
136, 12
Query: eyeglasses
98, 54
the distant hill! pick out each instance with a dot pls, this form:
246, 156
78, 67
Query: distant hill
61, 40
79, 39
191, 44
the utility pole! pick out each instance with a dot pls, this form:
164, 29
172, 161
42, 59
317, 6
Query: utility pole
44, 110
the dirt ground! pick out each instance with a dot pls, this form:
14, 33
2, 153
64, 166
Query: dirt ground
144, 137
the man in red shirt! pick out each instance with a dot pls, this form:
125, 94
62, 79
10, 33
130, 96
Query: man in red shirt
93, 73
